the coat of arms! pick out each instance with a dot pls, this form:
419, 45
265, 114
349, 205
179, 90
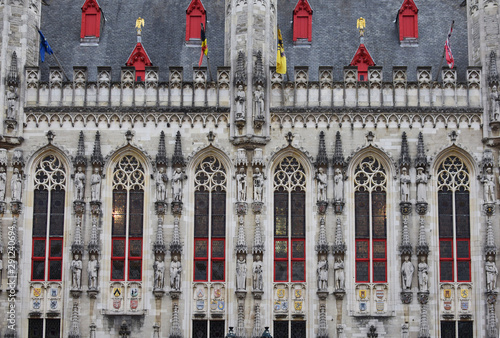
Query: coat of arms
447, 293
200, 304
465, 305
217, 293
284, 306
362, 306
117, 292
53, 292
380, 306
447, 305
277, 306
134, 303
134, 292
220, 305
37, 292
36, 304
53, 304
298, 293
362, 294
117, 303
200, 293
379, 294
280, 293
213, 305
464, 293
297, 306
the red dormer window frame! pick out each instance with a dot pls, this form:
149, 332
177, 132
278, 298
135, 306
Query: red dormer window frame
91, 20
362, 59
139, 59
302, 21
408, 20
195, 15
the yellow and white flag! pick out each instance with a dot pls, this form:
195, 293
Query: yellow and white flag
280, 57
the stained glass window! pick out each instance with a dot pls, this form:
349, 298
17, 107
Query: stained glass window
210, 221
48, 220
370, 202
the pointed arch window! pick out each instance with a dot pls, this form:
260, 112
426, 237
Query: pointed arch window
127, 220
454, 221
289, 221
48, 220
408, 20
210, 221
91, 21
370, 203
302, 22
195, 16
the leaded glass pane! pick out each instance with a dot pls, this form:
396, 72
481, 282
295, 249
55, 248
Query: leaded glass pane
445, 209
56, 248
201, 214
362, 214
298, 213
200, 270
218, 270
117, 270
462, 214
57, 212
135, 269
446, 249
362, 271
200, 329
379, 272
35, 329
378, 215
463, 250
41, 198
53, 328
219, 214
362, 250
119, 211
281, 329
446, 270
463, 271
217, 329
298, 249
280, 214
136, 213
298, 271
119, 248
217, 249
135, 247
465, 329
379, 250
281, 271
55, 270
201, 248
38, 270
298, 329
448, 329
39, 248
280, 249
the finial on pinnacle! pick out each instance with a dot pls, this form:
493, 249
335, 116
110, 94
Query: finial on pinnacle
361, 24
139, 23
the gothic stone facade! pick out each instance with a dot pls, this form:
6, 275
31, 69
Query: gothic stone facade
311, 203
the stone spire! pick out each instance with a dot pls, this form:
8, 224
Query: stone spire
493, 73
405, 247
240, 329
421, 159
13, 78
75, 322
176, 245
96, 158
240, 77
338, 155
323, 330
77, 245
258, 74
322, 158
178, 158
339, 245
175, 330
257, 329
241, 245
424, 325
159, 244
422, 246
490, 247
94, 247
404, 159
258, 245
322, 244
80, 159
161, 157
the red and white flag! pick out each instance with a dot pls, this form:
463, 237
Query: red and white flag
449, 56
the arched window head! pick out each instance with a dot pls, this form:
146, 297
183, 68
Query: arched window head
210, 221
302, 22
91, 22
408, 21
289, 221
127, 220
195, 16
370, 202
48, 220
454, 220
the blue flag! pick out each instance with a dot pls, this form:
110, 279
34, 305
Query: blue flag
44, 47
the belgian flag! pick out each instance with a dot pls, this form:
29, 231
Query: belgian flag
204, 48
280, 57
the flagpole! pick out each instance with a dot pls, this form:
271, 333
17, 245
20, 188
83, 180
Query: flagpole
57, 60
209, 70
444, 52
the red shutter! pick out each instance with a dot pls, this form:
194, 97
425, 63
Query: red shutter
195, 15
302, 21
408, 20
90, 25
91, 19
195, 27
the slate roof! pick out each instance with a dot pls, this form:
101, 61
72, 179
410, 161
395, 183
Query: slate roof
335, 38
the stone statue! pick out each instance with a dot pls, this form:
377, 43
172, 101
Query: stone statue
92, 270
407, 270
76, 273
161, 181
421, 185
321, 178
339, 186
11, 103
405, 186
241, 273
16, 185
241, 180
178, 178
257, 275
95, 189
322, 273
80, 184
258, 96
240, 103
495, 104
489, 186
338, 266
258, 185
491, 274
423, 277
3, 182
159, 269
175, 274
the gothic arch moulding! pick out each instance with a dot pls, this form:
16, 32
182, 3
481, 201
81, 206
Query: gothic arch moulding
464, 154
372, 150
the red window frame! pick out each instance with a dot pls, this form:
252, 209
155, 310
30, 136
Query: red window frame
38, 258
447, 259
202, 259
130, 258
55, 258
90, 8
217, 259
464, 259
117, 258
294, 259
195, 10
281, 259
408, 10
367, 259
384, 260
302, 21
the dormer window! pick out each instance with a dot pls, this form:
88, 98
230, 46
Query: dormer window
91, 22
302, 23
195, 16
362, 59
139, 59
408, 23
